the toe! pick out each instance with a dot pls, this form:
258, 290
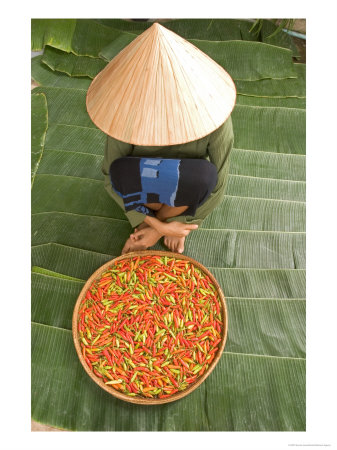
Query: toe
167, 242
181, 246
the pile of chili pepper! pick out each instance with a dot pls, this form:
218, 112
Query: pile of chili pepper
150, 325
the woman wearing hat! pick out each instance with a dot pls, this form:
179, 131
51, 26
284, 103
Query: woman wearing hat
165, 107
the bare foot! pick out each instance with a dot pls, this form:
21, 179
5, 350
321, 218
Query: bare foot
175, 244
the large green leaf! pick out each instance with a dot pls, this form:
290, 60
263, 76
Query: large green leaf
247, 186
66, 106
45, 76
87, 36
285, 102
290, 91
280, 39
210, 29
270, 383
84, 196
52, 273
261, 327
254, 244
252, 124
74, 138
233, 248
88, 198
279, 130
263, 60
71, 64
242, 60
57, 32
82, 69
254, 283
80, 36
289, 87
39, 123
64, 259
72, 164
50, 190
268, 164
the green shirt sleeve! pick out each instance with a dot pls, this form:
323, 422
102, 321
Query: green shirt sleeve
115, 149
218, 150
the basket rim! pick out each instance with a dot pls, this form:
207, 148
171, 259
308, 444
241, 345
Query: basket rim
145, 400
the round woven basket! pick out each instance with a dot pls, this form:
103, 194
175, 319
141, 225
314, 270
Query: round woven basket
144, 400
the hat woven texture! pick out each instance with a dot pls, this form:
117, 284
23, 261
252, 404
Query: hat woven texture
160, 90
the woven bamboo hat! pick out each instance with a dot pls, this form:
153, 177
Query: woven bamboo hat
160, 90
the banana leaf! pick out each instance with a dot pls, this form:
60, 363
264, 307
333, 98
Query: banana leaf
51, 187
259, 93
284, 102
39, 123
61, 259
278, 382
242, 60
280, 39
287, 93
44, 76
74, 139
290, 87
266, 164
80, 36
237, 283
52, 273
112, 49
254, 244
53, 303
71, 64
279, 130
235, 56
252, 124
234, 248
87, 36
56, 32
66, 106
255, 55
210, 29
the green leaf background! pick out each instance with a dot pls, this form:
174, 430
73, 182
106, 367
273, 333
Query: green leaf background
254, 242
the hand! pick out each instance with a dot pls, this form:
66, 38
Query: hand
146, 237
177, 229
132, 246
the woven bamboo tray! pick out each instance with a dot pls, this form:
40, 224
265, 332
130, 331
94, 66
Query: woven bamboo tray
177, 395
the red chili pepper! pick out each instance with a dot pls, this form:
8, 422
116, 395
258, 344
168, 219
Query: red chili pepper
88, 362
97, 374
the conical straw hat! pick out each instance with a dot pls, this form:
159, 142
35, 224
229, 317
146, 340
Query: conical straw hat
160, 90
